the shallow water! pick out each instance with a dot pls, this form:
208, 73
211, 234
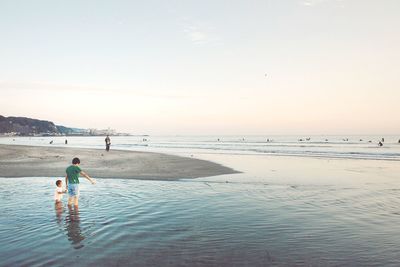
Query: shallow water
281, 211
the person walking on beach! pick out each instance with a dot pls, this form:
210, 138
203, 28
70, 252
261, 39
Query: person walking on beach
72, 181
108, 143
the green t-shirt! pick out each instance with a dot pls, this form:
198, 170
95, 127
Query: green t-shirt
73, 172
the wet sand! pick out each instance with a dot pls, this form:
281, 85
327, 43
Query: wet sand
36, 161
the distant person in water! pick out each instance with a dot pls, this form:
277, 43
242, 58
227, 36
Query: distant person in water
399, 141
72, 181
59, 192
66, 141
108, 143
383, 140
51, 142
380, 144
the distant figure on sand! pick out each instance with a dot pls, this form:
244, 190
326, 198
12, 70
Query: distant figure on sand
59, 192
399, 141
108, 143
72, 181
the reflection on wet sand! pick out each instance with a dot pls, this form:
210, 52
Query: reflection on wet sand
73, 228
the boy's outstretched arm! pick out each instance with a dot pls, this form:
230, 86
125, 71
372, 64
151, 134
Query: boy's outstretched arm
87, 177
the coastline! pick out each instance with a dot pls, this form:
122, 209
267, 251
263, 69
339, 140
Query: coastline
39, 161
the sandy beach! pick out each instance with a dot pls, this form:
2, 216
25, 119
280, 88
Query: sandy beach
36, 161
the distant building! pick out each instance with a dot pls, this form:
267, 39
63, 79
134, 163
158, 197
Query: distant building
108, 131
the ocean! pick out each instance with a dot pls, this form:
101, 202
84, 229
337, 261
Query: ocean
351, 147
326, 201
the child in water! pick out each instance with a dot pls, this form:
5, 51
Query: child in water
59, 192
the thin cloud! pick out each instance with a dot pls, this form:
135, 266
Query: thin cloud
200, 33
196, 35
48, 88
311, 3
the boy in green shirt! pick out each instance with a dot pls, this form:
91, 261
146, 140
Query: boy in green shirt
72, 181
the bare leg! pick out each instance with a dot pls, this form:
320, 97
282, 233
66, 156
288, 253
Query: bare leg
70, 200
76, 202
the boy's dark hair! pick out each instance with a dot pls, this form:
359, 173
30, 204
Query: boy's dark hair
58, 182
76, 161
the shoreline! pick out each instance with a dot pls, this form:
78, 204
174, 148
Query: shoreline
40, 161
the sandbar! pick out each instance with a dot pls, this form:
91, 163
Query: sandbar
40, 161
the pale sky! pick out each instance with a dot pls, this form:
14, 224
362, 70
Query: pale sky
198, 67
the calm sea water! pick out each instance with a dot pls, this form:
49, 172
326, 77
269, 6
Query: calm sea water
281, 211
359, 147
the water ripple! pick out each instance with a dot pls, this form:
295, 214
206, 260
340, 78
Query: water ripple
197, 223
